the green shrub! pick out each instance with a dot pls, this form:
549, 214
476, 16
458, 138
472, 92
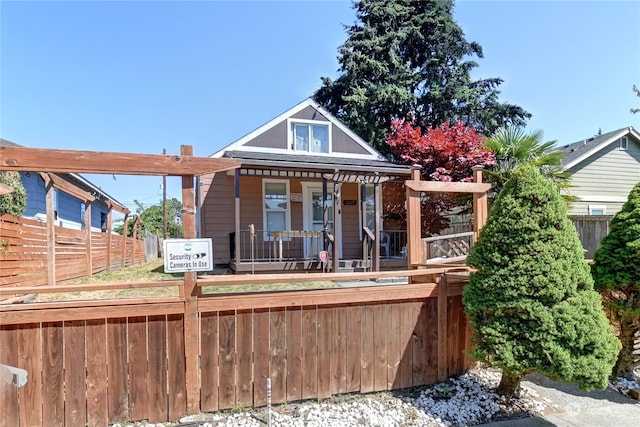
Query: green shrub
15, 202
531, 301
616, 272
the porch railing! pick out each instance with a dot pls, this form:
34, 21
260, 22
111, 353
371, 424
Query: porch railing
276, 246
448, 246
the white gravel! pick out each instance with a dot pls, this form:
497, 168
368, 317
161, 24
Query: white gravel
464, 401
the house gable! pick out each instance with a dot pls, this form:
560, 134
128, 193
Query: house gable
603, 170
277, 136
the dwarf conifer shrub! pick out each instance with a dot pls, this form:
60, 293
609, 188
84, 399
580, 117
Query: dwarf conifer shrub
531, 302
616, 272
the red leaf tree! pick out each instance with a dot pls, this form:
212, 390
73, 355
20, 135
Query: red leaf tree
446, 153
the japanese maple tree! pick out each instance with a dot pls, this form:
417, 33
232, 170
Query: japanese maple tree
446, 153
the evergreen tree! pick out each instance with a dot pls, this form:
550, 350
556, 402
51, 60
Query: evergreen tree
531, 301
616, 272
410, 60
15, 202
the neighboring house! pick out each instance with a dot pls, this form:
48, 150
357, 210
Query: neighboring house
310, 187
71, 194
604, 169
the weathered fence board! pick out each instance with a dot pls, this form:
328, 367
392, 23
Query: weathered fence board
591, 230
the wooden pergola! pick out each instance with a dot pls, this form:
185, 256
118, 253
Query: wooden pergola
94, 162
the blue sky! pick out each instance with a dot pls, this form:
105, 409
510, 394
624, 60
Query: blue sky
142, 76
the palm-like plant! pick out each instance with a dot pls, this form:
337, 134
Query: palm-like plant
513, 147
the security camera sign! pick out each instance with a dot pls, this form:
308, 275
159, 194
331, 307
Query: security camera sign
184, 255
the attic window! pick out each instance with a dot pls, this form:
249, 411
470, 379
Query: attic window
624, 143
310, 136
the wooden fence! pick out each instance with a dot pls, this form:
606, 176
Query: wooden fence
99, 362
591, 230
25, 254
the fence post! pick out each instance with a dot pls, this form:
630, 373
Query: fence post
51, 231
480, 205
191, 293
415, 251
443, 298
87, 229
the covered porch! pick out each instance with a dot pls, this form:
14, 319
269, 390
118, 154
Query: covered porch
336, 215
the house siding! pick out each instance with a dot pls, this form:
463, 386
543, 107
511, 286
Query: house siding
36, 194
277, 136
605, 178
218, 211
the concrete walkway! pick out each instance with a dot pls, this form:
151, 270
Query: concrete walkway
574, 408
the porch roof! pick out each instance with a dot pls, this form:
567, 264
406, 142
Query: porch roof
324, 163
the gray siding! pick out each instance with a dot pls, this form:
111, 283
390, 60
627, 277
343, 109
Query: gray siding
276, 137
342, 143
610, 173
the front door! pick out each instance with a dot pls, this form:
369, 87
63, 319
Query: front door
313, 215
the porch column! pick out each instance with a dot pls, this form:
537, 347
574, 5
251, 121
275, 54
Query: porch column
377, 209
236, 243
335, 256
325, 213
363, 221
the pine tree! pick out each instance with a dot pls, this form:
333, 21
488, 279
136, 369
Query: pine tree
531, 301
616, 272
410, 60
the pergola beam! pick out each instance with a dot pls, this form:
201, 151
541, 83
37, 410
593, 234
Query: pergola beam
96, 162
448, 187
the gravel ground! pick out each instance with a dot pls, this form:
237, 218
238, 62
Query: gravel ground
463, 401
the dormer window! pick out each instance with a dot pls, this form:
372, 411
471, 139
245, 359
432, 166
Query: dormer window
310, 136
624, 143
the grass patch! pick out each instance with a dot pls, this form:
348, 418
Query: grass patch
154, 271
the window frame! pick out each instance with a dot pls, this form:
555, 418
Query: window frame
291, 140
602, 208
624, 143
267, 236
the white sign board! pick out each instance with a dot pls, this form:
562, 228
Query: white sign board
183, 255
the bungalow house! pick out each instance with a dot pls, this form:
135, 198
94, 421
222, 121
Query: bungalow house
72, 195
604, 169
309, 191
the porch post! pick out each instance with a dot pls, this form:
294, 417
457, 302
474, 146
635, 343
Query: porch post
377, 209
325, 213
363, 221
336, 238
236, 243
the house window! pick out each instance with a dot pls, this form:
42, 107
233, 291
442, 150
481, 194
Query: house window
311, 137
597, 209
624, 143
276, 207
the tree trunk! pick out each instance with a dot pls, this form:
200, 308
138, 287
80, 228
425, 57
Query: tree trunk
509, 384
625, 363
